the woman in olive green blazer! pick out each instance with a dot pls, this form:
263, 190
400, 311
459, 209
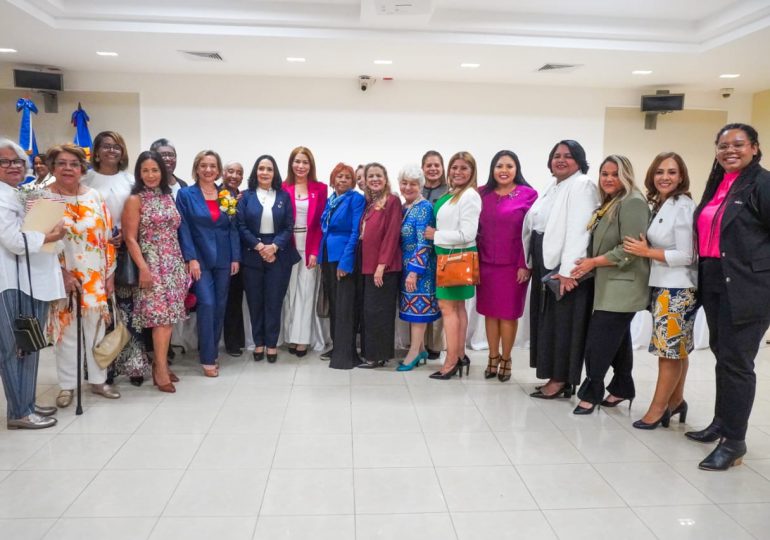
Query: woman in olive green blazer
620, 287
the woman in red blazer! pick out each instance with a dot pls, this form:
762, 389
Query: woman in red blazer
380, 267
308, 199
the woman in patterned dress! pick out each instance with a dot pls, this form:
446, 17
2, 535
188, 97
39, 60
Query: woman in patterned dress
150, 223
417, 302
673, 278
88, 265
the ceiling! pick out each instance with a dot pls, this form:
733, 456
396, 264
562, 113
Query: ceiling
686, 44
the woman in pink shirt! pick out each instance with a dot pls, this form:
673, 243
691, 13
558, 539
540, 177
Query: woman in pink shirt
733, 237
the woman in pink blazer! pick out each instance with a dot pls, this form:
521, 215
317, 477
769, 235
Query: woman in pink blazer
308, 199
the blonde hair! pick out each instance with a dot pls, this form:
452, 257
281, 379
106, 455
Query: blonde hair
370, 196
626, 177
199, 157
468, 158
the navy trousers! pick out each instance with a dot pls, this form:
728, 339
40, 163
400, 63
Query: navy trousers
211, 292
265, 285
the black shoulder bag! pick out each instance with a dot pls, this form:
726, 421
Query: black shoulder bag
26, 328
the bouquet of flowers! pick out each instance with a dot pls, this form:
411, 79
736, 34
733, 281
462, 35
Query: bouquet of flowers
227, 202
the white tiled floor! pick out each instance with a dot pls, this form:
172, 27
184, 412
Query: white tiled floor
295, 450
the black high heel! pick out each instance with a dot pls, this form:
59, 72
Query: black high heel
504, 371
583, 411
272, 357
681, 410
492, 367
457, 369
566, 391
611, 404
258, 355
466, 363
292, 350
664, 420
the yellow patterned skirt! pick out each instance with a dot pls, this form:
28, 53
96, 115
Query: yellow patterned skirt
673, 312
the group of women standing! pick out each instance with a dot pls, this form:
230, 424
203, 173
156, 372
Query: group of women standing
596, 255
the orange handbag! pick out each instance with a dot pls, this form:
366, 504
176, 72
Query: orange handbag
457, 269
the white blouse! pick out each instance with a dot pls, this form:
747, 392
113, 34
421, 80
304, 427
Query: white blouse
671, 230
457, 223
47, 283
266, 198
114, 189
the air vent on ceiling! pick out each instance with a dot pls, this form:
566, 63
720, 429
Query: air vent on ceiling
204, 56
561, 68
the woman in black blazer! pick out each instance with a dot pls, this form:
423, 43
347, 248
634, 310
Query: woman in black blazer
265, 222
732, 223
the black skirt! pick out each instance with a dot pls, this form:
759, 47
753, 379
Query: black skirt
378, 321
557, 328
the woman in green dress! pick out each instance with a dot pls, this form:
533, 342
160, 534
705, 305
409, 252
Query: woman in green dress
457, 221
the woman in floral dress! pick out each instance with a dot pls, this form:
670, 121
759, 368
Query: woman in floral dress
150, 223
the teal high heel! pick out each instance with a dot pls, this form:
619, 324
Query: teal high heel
421, 357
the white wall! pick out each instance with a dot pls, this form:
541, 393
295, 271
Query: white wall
394, 122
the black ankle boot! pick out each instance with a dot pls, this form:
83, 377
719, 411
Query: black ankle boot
712, 433
727, 453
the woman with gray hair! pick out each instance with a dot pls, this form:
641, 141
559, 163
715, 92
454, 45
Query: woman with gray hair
17, 283
417, 302
620, 288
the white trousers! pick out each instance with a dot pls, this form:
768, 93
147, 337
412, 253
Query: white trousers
66, 352
299, 304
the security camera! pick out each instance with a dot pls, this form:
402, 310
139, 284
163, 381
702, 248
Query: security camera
726, 92
365, 81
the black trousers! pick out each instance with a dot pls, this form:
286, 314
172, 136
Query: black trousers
735, 346
265, 287
378, 316
235, 337
343, 316
608, 344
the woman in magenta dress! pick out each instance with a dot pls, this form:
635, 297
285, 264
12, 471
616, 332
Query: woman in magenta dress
505, 200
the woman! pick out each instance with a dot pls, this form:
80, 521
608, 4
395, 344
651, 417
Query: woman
167, 151
732, 223
360, 180
88, 265
43, 176
505, 200
150, 223
673, 278
234, 332
211, 248
620, 286
19, 373
340, 222
114, 183
417, 302
264, 221
554, 237
380, 265
308, 198
435, 187
457, 222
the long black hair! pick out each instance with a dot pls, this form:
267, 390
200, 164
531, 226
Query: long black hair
139, 185
277, 181
577, 151
718, 172
491, 184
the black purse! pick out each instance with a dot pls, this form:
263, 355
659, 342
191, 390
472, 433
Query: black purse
26, 328
126, 271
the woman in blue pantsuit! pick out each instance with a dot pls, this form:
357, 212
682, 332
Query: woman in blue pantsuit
211, 247
265, 221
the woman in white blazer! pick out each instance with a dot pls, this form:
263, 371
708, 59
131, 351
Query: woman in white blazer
555, 236
673, 278
457, 222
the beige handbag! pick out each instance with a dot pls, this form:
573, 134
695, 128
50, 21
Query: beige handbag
107, 350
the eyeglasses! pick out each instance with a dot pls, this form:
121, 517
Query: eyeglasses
167, 154
111, 147
737, 145
6, 163
66, 164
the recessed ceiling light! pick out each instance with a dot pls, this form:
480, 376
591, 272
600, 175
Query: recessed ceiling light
641, 72
469, 65
8, 50
106, 53
297, 59
729, 75
383, 62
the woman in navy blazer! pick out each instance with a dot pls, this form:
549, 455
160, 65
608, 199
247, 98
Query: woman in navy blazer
265, 221
211, 248
339, 224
